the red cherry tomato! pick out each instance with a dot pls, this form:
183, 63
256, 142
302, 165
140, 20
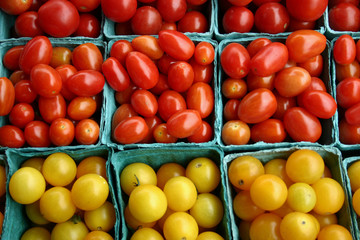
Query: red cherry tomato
58, 18
301, 125
81, 108
119, 11
11, 58
37, 134
26, 25
176, 44
37, 50
87, 56
52, 108
89, 26
15, 7
257, 106
234, 88
240, 2
316, 84
11, 136
7, 96
164, 63
184, 123
255, 45
122, 112
269, 59
120, 49
171, 10
115, 74
253, 81
124, 96
86, 5
200, 97
314, 65
17, 76
161, 134
146, 21
344, 49
152, 123
86, 83
306, 10
283, 104
272, 18
161, 86
352, 114
305, 44
348, 133
45, 80
61, 132
230, 109
87, 132
348, 92
235, 60
21, 114
235, 132
347, 71
238, 19
204, 53
298, 25
66, 71
319, 103
291, 81
202, 73
193, 21
131, 130
24, 92
144, 103
269, 131
148, 45
169, 103
180, 76
259, 2
203, 134
344, 17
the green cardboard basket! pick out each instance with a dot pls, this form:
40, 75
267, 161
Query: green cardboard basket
333, 160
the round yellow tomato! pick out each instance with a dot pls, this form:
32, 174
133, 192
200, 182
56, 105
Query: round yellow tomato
36, 233
209, 235
244, 207
353, 172
325, 220
102, 218
356, 201
133, 223
283, 210
161, 221
244, 170
208, 210
301, 197
268, 192
147, 203
180, 193
204, 173
180, 225
277, 167
98, 235
35, 162
265, 226
298, 226
167, 171
305, 165
33, 213
330, 196
93, 164
71, 229
26, 185
146, 233
334, 232
136, 174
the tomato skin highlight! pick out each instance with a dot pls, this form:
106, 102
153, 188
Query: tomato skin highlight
320, 103
7, 96
11, 136
344, 49
115, 74
45, 80
86, 83
176, 44
184, 123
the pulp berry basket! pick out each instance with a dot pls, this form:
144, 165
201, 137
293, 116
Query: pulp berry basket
16, 221
71, 44
111, 106
329, 126
332, 159
155, 157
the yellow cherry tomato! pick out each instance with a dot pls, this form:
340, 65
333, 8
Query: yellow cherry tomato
277, 167
93, 164
334, 232
146, 233
180, 225
102, 218
209, 235
353, 172
167, 171
36, 233
244, 207
298, 226
301, 197
265, 226
35, 162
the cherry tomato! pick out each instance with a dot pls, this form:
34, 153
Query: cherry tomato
45, 80
169, 103
271, 18
259, 2
21, 114
62, 132
148, 45
11, 57
58, 18
17, 76
86, 5
235, 60
298, 25
234, 88
69, 229
348, 70
164, 63
269, 59
314, 65
283, 104
240, 2
254, 81
270, 131
144, 103
37, 50
168, 26
7, 96
122, 112
87, 56
119, 11
235, 132
308, 10
15, 7
301, 125
86, 83
26, 25
255, 45
131, 130
37, 134
81, 108
120, 49
124, 96
161, 86
52, 108
60, 56
257, 106
316, 84
305, 44
193, 21
344, 49
349, 134
348, 92
161, 134
352, 114
146, 21
66, 71
344, 17
230, 109
203, 134
12, 136
291, 81
184, 123
115, 74
89, 26
24, 92
202, 73
180, 76
87, 131
238, 19
176, 44
204, 53
200, 97
152, 123
171, 10
319, 103
142, 70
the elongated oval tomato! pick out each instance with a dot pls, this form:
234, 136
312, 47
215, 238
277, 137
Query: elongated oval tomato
306, 10
86, 83
301, 125
291, 81
37, 50
348, 92
184, 123
52, 108
131, 130
319, 103
142, 70
149, 45
87, 56
352, 114
235, 60
144, 102
305, 44
119, 11
11, 57
81, 108
45, 80
115, 74
169, 103
11, 136
7, 96
270, 131
200, 97
176, 44
257, 106
344, 49
269, 59
180, 76
316, 84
